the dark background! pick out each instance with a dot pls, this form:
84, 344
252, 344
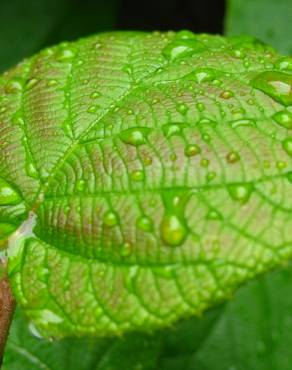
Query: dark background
27, 26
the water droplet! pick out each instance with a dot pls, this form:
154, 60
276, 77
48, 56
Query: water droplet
284, 119
144, 223
232, 157
173, 129
211, 176
180, 48
52, 83
95, 95
137, 175
30, 168
277, 85
237, 113
240, 192
281, 165
147, 160
110, 219
284, 63
213, 214
287, 145
93, 109
243, 123
31, 83
126, 249
205, 162
8, 195
203, 75
173, 231
238, 53
201, 107
192, 150
6, 229
34, 331
185, 34
80, 185
66, 54
226, 94
135, 136
14, 86
182, 108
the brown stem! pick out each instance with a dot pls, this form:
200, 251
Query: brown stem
7, 306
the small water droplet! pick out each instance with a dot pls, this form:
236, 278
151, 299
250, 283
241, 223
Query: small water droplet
137, 175
180, 48
240, 192
203, 75
205, 162
95, 95
8, 195
201, 107
182, 108
110, 219
211, 176
93, 109
144, 223
281, 165
226, 94
277, 85
135, 136
126, 249
213, 214
232, 157
80, 185
52, 83
243, 123
287, 145
34, 331
284, 119
192, 150
14, 86
173, 129
66, 54
31, 83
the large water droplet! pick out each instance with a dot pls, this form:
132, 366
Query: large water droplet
173, 231
240, 192
287, 145
284, 118
135, 136
277, 85
8, 195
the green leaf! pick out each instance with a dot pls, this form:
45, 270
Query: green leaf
154, 180
268, 20
250, 332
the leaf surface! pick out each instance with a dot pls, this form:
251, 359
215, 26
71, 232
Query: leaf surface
154, 175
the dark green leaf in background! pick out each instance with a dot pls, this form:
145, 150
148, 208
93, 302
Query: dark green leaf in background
268, 20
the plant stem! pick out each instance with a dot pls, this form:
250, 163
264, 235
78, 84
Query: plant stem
7, 306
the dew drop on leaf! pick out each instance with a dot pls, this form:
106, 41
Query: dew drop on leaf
243, 123
144, 223
226, 94
173, 230
287, 145
14, 86
192, 150
135, 136
110, 219
277, 85
172, 129
232, 157
137, 175
284, 119
240, 192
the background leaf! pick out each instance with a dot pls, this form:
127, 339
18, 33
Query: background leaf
28, 26
268, 20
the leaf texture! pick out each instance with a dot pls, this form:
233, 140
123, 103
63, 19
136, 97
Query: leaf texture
148, 176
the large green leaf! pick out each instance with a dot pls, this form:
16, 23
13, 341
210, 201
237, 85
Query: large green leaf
153, 179
268, 20
253, 331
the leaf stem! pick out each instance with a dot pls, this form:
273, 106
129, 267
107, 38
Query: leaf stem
7, 306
